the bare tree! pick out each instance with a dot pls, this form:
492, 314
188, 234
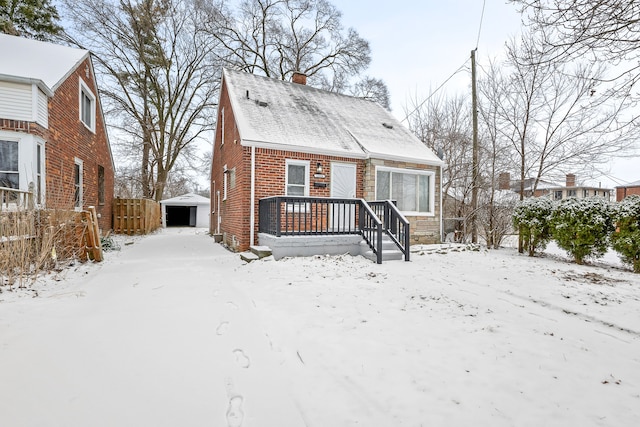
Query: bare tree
374, 90
556, 115
596, 31
159, 77
276, 38
443, 124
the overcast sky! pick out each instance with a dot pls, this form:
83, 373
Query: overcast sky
416, 45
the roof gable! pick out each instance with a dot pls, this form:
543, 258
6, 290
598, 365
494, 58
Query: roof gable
38, 61
282, 115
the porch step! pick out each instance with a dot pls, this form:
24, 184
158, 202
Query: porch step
390, 251
255, 253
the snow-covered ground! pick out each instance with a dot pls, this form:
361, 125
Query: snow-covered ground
173, 330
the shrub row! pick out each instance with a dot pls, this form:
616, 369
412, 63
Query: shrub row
585, 228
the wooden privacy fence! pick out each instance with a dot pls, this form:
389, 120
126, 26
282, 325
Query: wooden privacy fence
136, 216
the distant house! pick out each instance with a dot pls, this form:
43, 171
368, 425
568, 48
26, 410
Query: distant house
52, 133
188, 210
286, 155
556, 191
627, 190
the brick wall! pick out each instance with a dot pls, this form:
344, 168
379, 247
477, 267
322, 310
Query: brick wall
622, 192
425, 229
68, 139
23, 126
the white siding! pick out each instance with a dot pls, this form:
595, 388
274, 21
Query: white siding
16, 101
43, 110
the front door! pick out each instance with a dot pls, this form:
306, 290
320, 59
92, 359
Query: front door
343, 186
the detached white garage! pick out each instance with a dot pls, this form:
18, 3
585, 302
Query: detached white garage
188, 210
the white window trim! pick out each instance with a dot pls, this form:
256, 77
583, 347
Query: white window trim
432, 187
225, 182
306, 164
222, 126
84, 89
80, 163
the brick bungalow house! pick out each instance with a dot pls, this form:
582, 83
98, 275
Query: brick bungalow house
278, 138
52, 131
623, 191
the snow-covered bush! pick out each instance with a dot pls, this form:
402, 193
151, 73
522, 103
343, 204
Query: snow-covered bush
531, 219
582, 227
626, 239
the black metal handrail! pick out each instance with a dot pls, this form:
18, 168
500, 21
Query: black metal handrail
300, 216
395, 224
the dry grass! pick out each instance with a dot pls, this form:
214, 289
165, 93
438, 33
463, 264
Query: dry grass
32, 242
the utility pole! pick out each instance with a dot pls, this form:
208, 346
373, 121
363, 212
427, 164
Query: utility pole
474, 161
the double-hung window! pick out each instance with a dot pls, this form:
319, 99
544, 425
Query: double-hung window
413, 190
297, 182
77, 184
87, 107
297, 178
9, 175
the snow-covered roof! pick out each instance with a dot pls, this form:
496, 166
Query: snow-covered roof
288, 116
35, 61
189, 199
631, 184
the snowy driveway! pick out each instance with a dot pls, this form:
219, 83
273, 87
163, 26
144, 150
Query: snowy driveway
176, 331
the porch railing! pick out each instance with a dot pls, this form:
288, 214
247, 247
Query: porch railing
303, 216
395, 224
13, 199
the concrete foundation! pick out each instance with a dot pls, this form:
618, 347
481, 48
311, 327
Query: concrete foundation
290, 246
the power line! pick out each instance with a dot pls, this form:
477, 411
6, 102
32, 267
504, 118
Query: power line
435, 91
484, 3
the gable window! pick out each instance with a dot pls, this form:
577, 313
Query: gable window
77, 184
87, 107
9, 176
413, 191
222, 126
100, 185
297, 178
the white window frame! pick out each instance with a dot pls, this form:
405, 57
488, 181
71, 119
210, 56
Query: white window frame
307, 164
39, 196
222, 126
83, 90
225, 182
78, 202
292, 162
17, 171
432, 186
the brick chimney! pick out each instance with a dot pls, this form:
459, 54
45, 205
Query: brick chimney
299, 78
571, 180
504, 181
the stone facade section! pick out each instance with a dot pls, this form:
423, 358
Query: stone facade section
425, 229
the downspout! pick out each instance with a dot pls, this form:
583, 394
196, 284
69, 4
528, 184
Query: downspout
252, 214
441, 209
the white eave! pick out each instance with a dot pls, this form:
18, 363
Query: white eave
26, 80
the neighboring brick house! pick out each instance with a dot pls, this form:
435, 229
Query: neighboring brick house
556, 191
277, 138
52, 130
627, 190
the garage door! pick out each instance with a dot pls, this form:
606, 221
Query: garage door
181, 216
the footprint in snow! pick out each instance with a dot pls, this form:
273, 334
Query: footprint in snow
222, 328
234, 412
241, 358
232, 305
